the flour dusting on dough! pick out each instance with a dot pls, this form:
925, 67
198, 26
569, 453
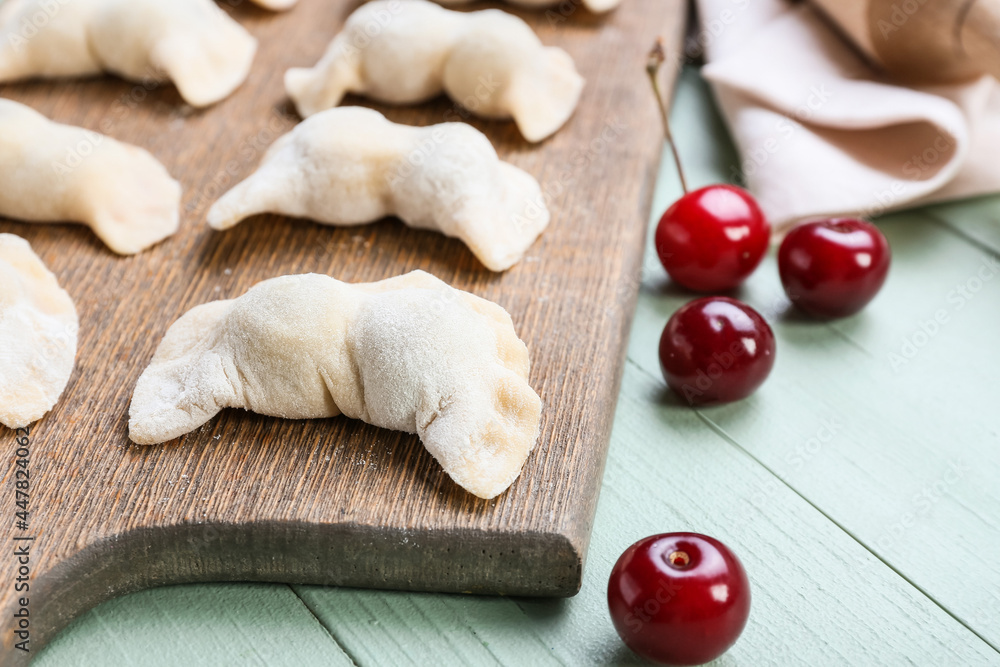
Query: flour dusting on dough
409, 353
350, 165
408, 51
38, 329
59, 173
190, 42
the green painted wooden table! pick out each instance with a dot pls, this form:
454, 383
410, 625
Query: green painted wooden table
860, 487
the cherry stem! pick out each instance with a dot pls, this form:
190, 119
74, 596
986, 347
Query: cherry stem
656, 59
679, 559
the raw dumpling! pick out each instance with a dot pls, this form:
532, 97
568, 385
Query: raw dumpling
596, 6
406, 51
350, 165
409, 353
38, 327
190, 42
60, 173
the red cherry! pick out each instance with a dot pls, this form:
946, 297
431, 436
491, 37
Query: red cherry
715, 350
833, 268
679, 598
711, 239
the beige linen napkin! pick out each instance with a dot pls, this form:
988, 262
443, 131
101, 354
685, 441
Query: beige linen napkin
822, 133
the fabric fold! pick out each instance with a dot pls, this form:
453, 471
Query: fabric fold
821, 132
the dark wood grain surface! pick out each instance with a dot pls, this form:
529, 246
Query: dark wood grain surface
332, 501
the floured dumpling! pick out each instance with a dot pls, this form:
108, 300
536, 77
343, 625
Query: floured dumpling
409, 353
59, 173
350, 165
407, 51
38, 327
190, 42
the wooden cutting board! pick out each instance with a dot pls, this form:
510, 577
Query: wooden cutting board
332, 501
